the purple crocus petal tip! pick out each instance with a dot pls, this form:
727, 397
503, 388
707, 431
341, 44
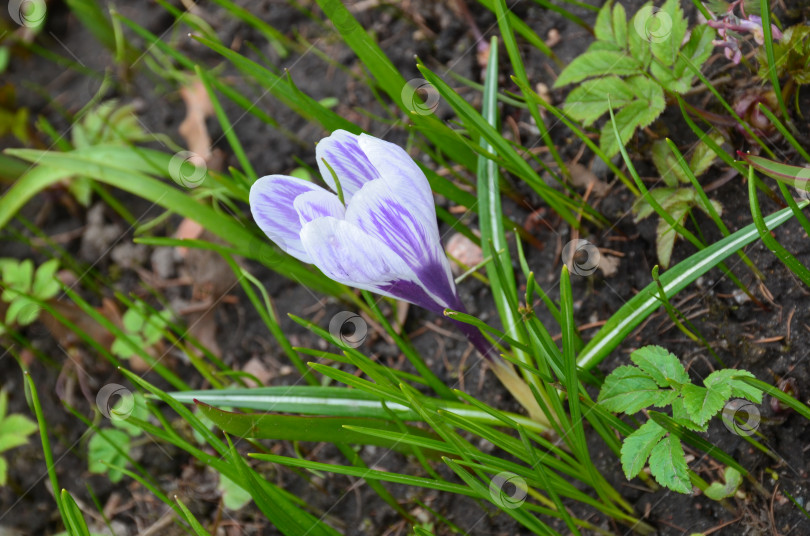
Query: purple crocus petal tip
343, 153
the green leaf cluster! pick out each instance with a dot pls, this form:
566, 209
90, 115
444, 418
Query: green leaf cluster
109, 123
109, 450
631, 65
659, 379
14, 430
677, 201
142, 328
791, 55
23, 287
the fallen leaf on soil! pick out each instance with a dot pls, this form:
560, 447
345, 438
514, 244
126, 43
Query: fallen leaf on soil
464, 251
258, 369
198, 108
609, 265
583, 177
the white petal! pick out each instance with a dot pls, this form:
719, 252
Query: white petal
318, 204
345, 253
401, 173
350, 164
382, 213
272, 203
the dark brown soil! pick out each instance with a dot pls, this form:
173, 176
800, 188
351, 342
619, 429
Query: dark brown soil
770, 341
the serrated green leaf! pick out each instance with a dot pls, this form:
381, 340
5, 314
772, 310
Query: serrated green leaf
637, 42
22, 311
703, 403
651, 92
662, 365
697, 50
17, 276
642, 207
588, 101
629, 389
619, 25
665, 234
639, 113
717, 491
598, 63
637, 447
739, 388
100, 450
666, 29
45, 285
667, 165
703, 156
233, 496
17, 424
681, 416
668, 465
603, 27
626, 122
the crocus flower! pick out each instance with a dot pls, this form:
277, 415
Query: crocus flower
379, 232
381, 236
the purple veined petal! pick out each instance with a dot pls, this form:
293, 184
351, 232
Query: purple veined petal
347, 160
272, 203
380, 212
318, 204
401, 173
343, 252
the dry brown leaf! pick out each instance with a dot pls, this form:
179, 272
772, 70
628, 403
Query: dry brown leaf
198, 108
465, 251
609, 265
583, 177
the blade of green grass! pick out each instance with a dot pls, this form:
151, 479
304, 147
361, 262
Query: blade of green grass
640, 306
770, 242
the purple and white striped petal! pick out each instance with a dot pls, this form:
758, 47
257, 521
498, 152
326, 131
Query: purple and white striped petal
343, 153
318, 204
272, 203
381, 212
343, 252
401, 173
